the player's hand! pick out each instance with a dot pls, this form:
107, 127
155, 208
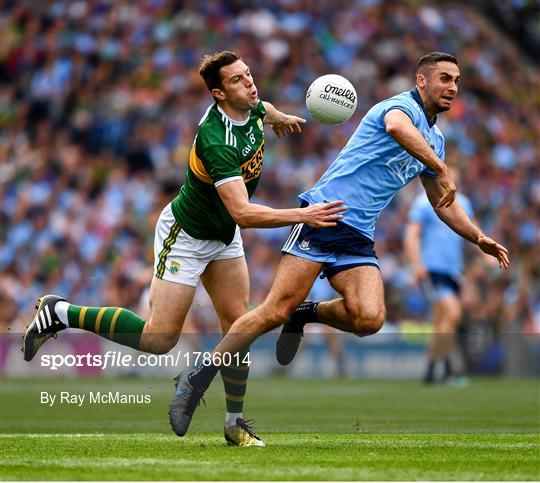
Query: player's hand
491, 247
323, 215
449, 190
287, 125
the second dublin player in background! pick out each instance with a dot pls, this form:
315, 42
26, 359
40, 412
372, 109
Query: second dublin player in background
436, 256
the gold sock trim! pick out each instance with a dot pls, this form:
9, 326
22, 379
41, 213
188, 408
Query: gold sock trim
82, 314
230, 397
236, 382
113, 322
239, 368
98, 319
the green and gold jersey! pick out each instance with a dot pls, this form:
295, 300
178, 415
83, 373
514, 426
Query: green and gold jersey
224, 149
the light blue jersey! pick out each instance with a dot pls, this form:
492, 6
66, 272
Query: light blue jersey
441, 248
373, 167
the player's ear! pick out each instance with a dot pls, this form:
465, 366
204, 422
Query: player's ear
420, 80
218, 94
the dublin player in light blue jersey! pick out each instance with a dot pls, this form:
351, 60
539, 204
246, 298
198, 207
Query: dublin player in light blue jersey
396, 142
436, 256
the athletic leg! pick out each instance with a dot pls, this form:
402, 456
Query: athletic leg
292, 283
446, 316
361, 309
336, 349
294, 279
169, 305
177, 269
227, 284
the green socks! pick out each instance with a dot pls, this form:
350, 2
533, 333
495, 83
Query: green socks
114, 323
235, 384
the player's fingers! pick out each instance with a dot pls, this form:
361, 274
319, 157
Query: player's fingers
332, 217
442, 202
337, 209
446, 200
502, 249
451, 200
326, 224
502, 258
505, 260
331, 204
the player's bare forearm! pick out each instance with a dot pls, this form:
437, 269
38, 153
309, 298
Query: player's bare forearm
454, 216
457, 219
401, 128
282, 124
251, 215
320, 215
272, 114
259, 216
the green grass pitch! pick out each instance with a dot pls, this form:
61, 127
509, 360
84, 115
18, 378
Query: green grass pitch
314, 430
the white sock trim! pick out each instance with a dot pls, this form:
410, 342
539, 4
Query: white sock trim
230, 418
61, 309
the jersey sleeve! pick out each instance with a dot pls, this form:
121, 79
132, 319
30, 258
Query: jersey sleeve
417, 213
402, 104
221, 162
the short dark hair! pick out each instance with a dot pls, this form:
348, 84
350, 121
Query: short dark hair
211, 64
433, 58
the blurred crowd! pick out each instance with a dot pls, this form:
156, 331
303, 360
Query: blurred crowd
100, 102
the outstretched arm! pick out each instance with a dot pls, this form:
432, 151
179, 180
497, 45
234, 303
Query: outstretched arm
456, 218
251, 215
401, 128
282, 124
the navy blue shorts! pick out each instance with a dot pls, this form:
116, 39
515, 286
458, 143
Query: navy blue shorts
340, 248
440, 285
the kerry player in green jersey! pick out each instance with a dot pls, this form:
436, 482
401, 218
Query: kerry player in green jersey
197, 236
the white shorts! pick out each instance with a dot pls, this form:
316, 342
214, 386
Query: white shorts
180, 258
